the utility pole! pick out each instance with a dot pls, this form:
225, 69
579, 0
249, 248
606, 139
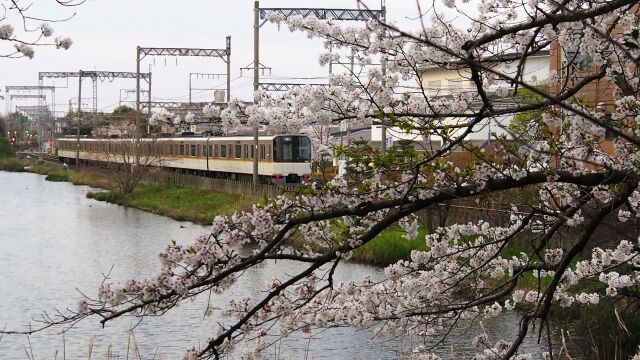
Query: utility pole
319, 13
228, 69
137, 121
78, 116
384, 73
149, 103
256, 83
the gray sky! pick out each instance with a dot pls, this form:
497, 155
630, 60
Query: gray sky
106, 33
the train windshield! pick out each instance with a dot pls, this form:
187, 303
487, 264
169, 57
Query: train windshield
292, 149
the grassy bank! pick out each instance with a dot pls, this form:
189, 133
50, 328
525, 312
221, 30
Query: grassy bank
89, 177
198, 206
201, 206
56, 173
184, 204
389, 247
8, 162
12, 164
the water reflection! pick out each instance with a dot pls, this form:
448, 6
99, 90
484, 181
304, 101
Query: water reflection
53, 240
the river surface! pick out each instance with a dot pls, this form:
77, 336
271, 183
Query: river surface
54, 242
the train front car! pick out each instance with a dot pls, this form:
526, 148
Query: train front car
291, 159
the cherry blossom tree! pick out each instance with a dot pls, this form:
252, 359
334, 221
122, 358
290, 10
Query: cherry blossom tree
579, 163
22, 28
127, 166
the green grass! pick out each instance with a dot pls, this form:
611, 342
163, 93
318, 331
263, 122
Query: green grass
389, 247
529, 281
11, 164
91, 178
5, 148
58, 176
185, 204
108, 196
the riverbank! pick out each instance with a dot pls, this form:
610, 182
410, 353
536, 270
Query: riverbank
179, 203
183, 204
199, 206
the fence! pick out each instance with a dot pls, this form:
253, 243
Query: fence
449, 213
163, 178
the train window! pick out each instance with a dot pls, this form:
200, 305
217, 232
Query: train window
181, 149
246, 151
215, 151
262, 151
223, 151
193, 150
253, 151
210, 150
291, 149
204, 151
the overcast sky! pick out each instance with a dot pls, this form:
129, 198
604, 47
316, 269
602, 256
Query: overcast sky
106, 33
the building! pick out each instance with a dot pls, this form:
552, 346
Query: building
440, 82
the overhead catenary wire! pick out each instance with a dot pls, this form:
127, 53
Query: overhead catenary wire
197, 92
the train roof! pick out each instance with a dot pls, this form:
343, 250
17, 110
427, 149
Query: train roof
191, 138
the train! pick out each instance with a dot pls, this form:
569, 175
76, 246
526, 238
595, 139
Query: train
283, 159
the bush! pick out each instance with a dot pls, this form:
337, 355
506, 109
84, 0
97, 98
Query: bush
11, 164
108, 196
58, 176
5, 148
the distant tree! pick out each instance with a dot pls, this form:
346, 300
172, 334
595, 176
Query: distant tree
130, 159
17, 123
128, 156
4, 127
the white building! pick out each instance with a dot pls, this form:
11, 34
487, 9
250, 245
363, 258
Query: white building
438, 81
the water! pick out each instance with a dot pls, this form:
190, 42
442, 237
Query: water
54, 242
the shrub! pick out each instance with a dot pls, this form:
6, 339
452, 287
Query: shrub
58, 176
